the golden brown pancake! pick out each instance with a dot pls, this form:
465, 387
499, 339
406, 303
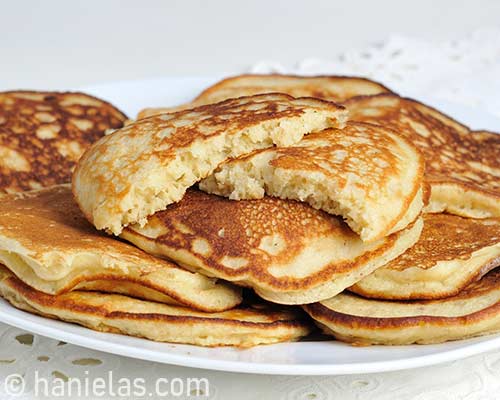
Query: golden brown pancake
474, 311
43, 134
462, 167
47, 242
149, 164
243, 327
333, 88
367, 174
287, 251
452, 251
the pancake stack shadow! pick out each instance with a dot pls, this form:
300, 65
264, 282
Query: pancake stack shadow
268, 207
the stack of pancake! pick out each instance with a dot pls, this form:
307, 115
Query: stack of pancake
234, 219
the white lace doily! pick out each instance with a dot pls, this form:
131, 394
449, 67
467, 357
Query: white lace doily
465, 70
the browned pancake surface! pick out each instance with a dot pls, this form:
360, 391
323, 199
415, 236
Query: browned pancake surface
50, 220
237, 230
43, 134
48, 243
286, 250
451, 252
453, 154
447, 237
328, 87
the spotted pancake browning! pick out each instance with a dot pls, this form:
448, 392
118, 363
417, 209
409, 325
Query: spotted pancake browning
242, 327
333, 88
43, 134
462, 167
140, 169
367, 174
474, 311
49, 245
287, 251
452, 251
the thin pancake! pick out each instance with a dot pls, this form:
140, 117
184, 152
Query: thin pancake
462, 167
287, 251
43, 134
140, 169
333, 88
243, 327
452, 251
473, 312
367, 174
48, 244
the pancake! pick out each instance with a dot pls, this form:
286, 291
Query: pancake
333, 88
140, 169
367, 174
473, 312
243, 327
43, 134
287, 251
49, 245
452, 251
462, 167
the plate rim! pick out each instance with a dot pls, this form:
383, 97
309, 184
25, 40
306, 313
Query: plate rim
26, 321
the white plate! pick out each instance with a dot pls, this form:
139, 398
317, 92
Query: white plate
303, 358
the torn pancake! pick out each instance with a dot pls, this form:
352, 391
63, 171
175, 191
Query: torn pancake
287, 251
140, 169
452, 251
462, 167
368, 175
475, 311
49, 245
333, 88
242, 327
43, 134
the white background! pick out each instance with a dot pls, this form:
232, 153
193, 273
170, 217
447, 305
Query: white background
60, 44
